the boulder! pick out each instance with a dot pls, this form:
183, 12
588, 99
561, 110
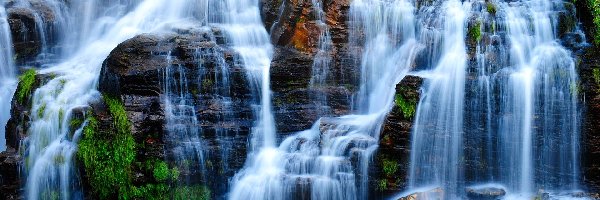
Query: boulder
484, 193
436, 193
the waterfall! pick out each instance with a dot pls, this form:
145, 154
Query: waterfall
49, 145
8, 82
183, 136
320, 163
322, 59
439, 125
502, 113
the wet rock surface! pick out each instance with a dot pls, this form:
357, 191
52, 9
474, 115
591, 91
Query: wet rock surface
436, 193
135, 72
589, 72
11, 181
31, 27
392, 161
484, 193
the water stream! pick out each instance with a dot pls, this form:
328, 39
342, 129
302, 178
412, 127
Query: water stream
8, 81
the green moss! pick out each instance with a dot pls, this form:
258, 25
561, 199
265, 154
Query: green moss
174, 174
390, 167
50, 195
408, 108
75, 123
26, 82
474, 32
191, 192
491, 8
382, 185
106, 156
161, 171
159, 191
41, 110
594, 8
207, 84
596, 75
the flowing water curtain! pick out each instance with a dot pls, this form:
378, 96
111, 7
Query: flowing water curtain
7, 74
521, 105
437, 134
321, 72
49, 145
331, 160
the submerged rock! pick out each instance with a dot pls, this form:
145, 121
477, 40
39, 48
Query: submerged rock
484, 193
436, 193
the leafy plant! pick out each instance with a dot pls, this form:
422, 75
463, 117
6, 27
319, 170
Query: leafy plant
26, 82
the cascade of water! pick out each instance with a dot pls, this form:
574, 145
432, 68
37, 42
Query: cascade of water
50, 16
183, 135
518, 97
7, 74
49, 144
541, 102
330, 161
322, 59
439, 116
242, 22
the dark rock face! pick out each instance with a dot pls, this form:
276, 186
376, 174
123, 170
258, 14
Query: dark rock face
295, 34
135, 72
486, 193
10, 180
390, 171
16, 130
589, 72
31, 29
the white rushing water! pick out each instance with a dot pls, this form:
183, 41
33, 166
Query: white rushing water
319, 163
517, 101
8, 81
49, 145
514, 96
438, 125
321, 72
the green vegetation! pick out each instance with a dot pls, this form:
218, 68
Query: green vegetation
151, 192
408, 108
596, 75
382, 185
107, 156
161, 171
26, 82
594, 7
174, 174
207, 84
191, 192
474, 32
41, 110
390, 167
75, 123
491, 8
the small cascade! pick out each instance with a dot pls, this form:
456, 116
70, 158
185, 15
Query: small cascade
8, 72
331, 160
183, 135
242, 23
322, 59
52, 19
49, 146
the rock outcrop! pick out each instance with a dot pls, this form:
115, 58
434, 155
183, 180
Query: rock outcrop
33, 26
11, 160
392, 162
